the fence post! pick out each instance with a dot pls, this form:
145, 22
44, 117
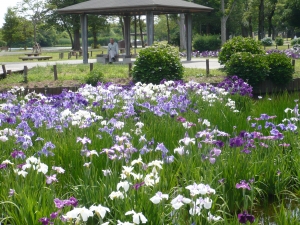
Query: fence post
207, 67
91, 66
129, 69
288, 46
69, 55
55, 72
293, 63
91, 53
276, 46
4, 71
25, 74
76, 55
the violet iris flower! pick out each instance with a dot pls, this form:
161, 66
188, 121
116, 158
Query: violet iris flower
244, 217
243, 184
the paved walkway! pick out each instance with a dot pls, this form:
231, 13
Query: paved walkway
19, 66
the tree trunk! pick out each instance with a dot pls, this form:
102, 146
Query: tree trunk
244, 31
141, 31
122, 25
95, 39
76, 46
135, 32
68, 31
182, 32
208, 29
34, 32
168, 28
261, 17
250, 27
223, 23
270, 28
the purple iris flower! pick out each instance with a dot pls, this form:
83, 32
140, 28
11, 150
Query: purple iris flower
219, 144
18, 154
73, 201
244, 217
243, 184
11, 192
138, 185
264, 117
59, 203
236, 142
3, 166
44, 220
54, 215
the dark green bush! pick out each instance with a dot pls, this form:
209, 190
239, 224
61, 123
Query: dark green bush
281, 69
266, 41
251, 68
295, 41
157, 62
2, 43
239, 44
207, 43
94, 77
279, 41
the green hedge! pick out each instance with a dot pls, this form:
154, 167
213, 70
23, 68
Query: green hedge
206, 43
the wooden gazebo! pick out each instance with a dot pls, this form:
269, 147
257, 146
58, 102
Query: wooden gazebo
128, 8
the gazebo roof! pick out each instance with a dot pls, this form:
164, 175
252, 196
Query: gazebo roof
134, 7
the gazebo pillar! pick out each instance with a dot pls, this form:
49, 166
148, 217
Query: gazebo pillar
84, 37
127, 35
150, 28
188, 25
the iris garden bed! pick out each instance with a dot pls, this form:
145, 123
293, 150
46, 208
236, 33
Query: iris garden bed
174, 153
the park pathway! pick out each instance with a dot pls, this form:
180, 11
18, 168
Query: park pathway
19, 66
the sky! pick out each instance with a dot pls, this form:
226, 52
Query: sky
4, 4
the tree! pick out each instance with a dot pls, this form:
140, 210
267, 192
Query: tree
10, 30
165, 26
70, 23
97, 23
26, 31
271, 7
261, 20
292, 13
225, 14
35, 11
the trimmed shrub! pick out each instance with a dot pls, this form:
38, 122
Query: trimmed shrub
295, 41
266, 41
206, 43
281, 69
279, 41
239, 44
251, 68
156, 63
94, 77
